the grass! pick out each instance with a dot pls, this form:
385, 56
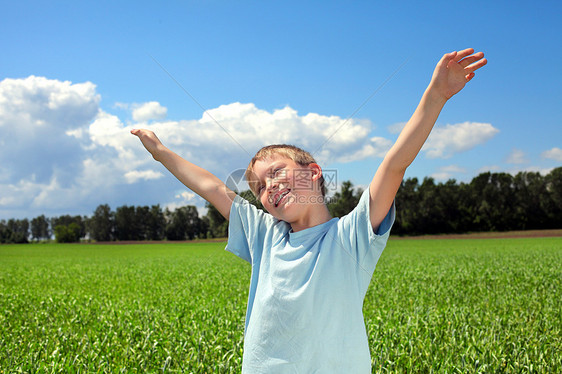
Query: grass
446, 306
462, 306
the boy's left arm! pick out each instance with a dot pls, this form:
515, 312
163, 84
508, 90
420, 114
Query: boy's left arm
451, 74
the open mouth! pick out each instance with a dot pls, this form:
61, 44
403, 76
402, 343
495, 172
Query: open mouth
280, 197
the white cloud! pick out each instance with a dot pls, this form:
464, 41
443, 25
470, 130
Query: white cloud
447, 172
514, 170
123, 106
230, 135
529, 169
489, 168
108, 130
374, 147
445, 141
51, 162
60, 153
36, 102
517, 156
77, 133
182, 199
553, 154
134, 176
149, 111
41, 121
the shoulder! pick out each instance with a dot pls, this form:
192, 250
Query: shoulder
358, 223
251, 230
244, 213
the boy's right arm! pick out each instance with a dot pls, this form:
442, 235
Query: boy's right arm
197, 179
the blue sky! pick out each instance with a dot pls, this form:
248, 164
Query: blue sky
77, 76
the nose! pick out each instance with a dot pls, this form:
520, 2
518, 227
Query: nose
272, 184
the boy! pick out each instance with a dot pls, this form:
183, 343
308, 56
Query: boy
310, 272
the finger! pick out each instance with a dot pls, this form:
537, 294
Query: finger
469, 77
475, 66
462, 54
445, 60
471, 59
135, 131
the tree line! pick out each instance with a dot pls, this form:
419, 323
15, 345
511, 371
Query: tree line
490, 202
126, 223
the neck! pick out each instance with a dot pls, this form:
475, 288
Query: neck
317, 215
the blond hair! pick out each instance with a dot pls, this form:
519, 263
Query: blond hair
298, 155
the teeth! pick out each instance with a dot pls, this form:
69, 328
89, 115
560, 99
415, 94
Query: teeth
281, 197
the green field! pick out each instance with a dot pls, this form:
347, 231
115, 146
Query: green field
444, 306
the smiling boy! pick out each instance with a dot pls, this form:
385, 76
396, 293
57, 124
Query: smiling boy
289, 184
310, 272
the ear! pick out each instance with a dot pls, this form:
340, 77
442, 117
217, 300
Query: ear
316, 171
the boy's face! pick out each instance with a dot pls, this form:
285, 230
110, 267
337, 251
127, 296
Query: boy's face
286, 188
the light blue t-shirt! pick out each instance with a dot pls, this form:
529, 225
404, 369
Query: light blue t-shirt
307, 288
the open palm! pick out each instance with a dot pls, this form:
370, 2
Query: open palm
455, 70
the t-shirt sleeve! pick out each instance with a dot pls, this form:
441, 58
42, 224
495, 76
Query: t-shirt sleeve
247, 229
241, 220
358, 236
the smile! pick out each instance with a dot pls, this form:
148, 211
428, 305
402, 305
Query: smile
280, 196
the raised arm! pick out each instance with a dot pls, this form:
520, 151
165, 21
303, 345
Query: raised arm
451, 74
197, 179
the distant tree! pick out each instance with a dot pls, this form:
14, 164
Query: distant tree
428, 207
217, 224
101, 224
194, 223
40, 228
127, 227
155, 223
454, 213
490, 201
66, 220
183, 223
480, 195
407, 202
142, 218
67, 233
344, 200
18, 230
203, 228
5, 233
554, 186
553, 182
252, 199
533, 200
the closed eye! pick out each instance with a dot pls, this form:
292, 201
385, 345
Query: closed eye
276, 172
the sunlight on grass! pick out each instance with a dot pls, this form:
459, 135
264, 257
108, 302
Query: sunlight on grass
434, 305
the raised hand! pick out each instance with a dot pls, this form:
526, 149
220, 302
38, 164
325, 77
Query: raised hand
455, 70
149, 140
197, 179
